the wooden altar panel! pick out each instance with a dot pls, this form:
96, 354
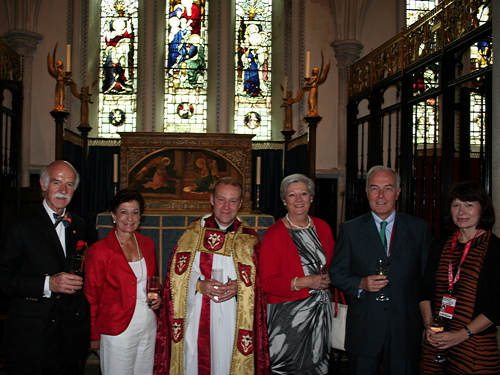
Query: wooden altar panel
176, 171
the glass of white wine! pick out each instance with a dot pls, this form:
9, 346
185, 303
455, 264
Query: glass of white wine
437, 325
153, 289
381, 271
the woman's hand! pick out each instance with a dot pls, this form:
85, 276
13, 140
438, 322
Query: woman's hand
320, 282
94, 345
155, 303
446, 339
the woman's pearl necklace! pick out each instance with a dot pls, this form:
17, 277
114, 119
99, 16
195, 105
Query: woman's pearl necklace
297, 226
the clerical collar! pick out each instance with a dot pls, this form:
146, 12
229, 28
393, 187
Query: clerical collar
227, 228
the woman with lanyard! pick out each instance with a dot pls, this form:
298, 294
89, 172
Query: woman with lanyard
461, 285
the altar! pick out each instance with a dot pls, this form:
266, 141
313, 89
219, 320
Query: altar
176, 173
165, 228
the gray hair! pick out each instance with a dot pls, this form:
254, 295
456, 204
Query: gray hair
44, 176
378, 168
293, 178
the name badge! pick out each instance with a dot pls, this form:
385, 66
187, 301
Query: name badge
448, 306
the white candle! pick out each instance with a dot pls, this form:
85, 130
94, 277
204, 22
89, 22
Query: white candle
285, 87
115, 168
68, 58
89, 83
308, 65
257, 172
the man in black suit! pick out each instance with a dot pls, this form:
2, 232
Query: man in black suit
47, 329
382, 335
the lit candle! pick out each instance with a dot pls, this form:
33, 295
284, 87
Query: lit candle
257, 172
308, 65
115, 168
68, 58
89, 83
285, 87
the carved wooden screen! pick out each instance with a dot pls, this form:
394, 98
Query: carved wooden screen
421, 104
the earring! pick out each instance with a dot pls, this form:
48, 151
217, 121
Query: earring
284, 204
114, 221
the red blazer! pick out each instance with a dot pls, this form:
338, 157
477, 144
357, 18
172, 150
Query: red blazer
280, 261
110, 284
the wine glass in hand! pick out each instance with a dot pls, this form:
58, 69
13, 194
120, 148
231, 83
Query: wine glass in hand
437, 325
77, 265
153, 289
381, 271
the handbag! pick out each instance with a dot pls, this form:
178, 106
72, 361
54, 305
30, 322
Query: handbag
339, 320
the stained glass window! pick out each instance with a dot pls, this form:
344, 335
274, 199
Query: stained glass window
481, 54
186, 66
417, 8
118, 70
252, 110
425, 80
425, 113
477, 119
425, 120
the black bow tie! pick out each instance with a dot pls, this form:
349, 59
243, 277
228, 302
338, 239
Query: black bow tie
66, 219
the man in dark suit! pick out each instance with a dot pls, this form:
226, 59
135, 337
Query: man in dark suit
47, 329
382, 335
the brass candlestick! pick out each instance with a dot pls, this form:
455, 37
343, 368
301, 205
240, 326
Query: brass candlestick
56, 70
312, 84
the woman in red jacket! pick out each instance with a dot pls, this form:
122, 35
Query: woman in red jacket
123, 324
294, 260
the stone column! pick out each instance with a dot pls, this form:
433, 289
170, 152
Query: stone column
25, 43
346, 53
348, 18
23, 38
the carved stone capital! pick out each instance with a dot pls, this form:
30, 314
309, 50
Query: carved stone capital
347, 51
22, 41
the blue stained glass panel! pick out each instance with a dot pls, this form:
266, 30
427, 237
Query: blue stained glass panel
186, 66
252, 111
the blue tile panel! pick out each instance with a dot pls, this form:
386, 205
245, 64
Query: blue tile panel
165, 228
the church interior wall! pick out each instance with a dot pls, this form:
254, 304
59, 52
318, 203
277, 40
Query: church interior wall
317, 34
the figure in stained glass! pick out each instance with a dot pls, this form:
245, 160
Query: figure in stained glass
185, 65
118, 71
254, 57
196, 61
119, 39
252, 96
192, 15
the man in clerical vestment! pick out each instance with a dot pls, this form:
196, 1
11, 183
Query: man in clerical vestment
214, 319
